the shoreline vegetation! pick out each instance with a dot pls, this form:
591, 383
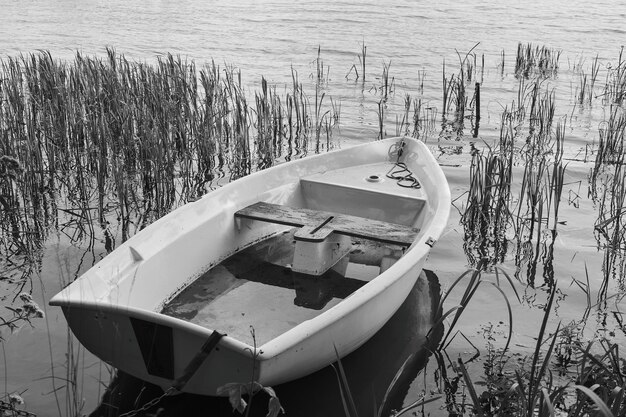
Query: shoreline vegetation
99, 147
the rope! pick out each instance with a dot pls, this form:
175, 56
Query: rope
197, 360
189, 371
400, 171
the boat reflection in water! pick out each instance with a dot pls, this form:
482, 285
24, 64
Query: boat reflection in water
400, 348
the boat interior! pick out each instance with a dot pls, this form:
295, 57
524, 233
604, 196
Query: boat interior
352, 225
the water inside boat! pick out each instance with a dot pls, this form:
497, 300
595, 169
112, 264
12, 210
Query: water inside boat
256, 288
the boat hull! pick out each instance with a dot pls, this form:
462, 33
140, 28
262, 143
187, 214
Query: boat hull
114, 309
116, 339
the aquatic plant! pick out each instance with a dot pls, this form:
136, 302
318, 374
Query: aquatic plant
349, 406
446, 381
386, 86
418, 119
615, 86
236, 391
490, 209
421, 78
109, 134
538, 61
491, 212
528, 387
28, 311
381, 119
607, 189
610, 150
324, 121
476, 107
455, 95
322, 74
361, 57
587, 83
535, 392
486, 217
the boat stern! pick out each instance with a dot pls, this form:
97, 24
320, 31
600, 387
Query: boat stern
161, 350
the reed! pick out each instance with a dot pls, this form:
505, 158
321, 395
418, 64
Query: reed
386, 86
486, 216
541, 117
541, 184
268, 116
381, 119
421, 78
454, 104
349, 406
587, 83
418, 120
608, 190
454, 95
94, 128
402, 125
298, 119
325, 119
456, 100
611, 150
615, 86
322, 74
536, 61
474, 69
492, 212
361, 57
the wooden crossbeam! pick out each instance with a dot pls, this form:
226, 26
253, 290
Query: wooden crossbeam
317, 225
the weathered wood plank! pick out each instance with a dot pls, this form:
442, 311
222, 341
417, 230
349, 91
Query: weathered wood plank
276, 213
317, 225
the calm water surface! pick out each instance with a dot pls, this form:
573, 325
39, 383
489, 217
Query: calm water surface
268, 38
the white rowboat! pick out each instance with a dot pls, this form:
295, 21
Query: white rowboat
314, 255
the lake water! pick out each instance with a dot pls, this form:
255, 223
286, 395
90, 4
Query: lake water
269, 38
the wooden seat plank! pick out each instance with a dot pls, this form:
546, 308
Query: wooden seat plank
317, 224
275, 213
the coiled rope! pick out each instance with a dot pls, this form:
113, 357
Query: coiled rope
399, 171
